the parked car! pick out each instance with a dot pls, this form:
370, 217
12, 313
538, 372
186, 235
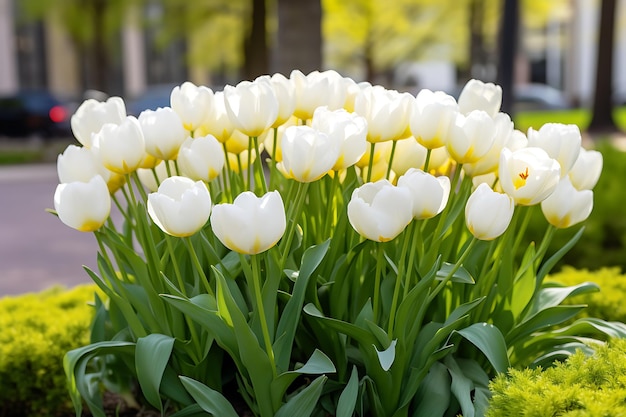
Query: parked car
34, 113
152, 98
534, 97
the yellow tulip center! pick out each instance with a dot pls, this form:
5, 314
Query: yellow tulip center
520, 180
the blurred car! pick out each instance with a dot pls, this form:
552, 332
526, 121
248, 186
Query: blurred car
34, 113
152, 98
537, 97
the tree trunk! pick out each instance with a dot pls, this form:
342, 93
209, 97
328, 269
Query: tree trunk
255, 47
602, 112
477, 51
299, 38
508, 49
100, 63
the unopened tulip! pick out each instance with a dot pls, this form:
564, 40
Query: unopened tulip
488, 213
217, 122
586, 171
429, 193
432, 115
84, 206
78, 163
504, 136
192, 104
386, 111
308, 154
471, 137
163, 132
567, 206
380, 211
409, 154
528, 175
477, 95
180, 207
91, 115
250, 225
285, 92
562, 142
122, 147
326, 88
251, 106
347, 129
201, 158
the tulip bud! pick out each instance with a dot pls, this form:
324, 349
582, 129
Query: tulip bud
307, 153
528, 175
429, 193
488, 213
567, 206
201, 158
180, 207
91, 115
379, 211
78, 163
586, 170
432, 115
84, 206
561, 142
192, 104
250, 225
122, 147
163, 132
471, 137
477, 95
251, 106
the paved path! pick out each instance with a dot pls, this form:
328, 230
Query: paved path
37, 250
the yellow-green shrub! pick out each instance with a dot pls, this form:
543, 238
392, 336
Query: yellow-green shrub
607, 304
582, 386
36, 330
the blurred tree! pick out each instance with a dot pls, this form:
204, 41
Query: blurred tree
509, 35
602, 111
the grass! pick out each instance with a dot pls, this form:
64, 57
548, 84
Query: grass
579, 117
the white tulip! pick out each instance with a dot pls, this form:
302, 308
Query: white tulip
78, 163
562, 142
250, 225
503, 137
122, 147
380, 211
432, 115
528, 175
477, 95
430, 194
471, 137
192, 104
217, 122
409, 154
347, 129
386, 111
152, 177
567, 206
586, 171
180, 207
326, 88
201, 158
488, 213
307, 153
163, 132
251, 106
91, 115
84, 206
285, 92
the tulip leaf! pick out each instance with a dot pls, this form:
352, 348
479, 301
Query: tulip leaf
549, 264
489, 340
461, 386
208, 399
318, 364
151, 356
542, 320
349, 329
349, 396
461, 275
387, 356
193, 410
433, 395
303, 403
553, 296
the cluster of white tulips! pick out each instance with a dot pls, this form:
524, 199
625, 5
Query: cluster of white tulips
311, 126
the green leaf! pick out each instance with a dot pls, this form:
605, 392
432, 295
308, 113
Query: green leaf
208, 399
461, 386
542, 320
318, 364
303, 404
553, 296
488, 339
433, 396
193, 410
387, 356
549, 264
151, 356
461, 276
349, 395
349, 329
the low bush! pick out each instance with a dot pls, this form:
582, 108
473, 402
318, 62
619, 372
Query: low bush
36, 330
582, 386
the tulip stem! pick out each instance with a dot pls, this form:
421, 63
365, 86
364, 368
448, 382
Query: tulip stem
196, 262
258, 165
292, 221
393, 152
331, 205
427, 161
414, 237
380, 262
256, 279
273, 156
456, 267
227, 172
370, 163
399, 278
522, 229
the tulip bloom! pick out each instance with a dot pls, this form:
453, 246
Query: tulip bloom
409, 154
251, 106
285, 92
151, 178
379, 211
201, 158
386, 111
471, 137
488, 213
163, 132
504, 136
217, 122
326, 88
84, 206
430, 194
586, 171
122, 147
561, 142
91, 115
250, 225
567, 206
78, 163
192, 104
477, 95
528, 175
432, 115
180, 207
307, 153
347, 129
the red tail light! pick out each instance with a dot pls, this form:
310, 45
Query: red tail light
57, 114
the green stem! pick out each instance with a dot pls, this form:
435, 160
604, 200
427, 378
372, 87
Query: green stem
258, 165
256, 279
331, 205
522, 229
370, 164
168, 169
380, 262
198, 266
427, 162
393, 152
456, 267
273, 156
399, 278
292, 221
414, 234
